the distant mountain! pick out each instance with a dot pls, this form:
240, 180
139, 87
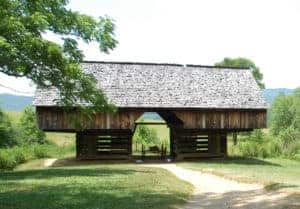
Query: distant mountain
14, 102
18, 103
271, 94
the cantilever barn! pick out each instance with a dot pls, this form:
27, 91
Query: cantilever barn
200, 104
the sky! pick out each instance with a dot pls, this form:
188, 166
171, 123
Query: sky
196, 32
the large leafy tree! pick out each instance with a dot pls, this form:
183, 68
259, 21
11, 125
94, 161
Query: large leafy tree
24, 52
245, 63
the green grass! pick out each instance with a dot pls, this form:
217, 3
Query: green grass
276, 173
115, 186
14, 116
162, 130
61, 139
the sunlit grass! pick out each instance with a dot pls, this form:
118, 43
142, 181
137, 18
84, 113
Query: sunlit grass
282, 172
92, 187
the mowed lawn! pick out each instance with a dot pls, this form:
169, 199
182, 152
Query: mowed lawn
125, 186
274, 173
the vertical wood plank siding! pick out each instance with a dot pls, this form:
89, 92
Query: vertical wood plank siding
222, 119
55, 119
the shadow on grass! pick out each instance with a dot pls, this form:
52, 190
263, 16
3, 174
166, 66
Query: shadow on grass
79, 197
68, 172
72, 161
277, 186
236, 160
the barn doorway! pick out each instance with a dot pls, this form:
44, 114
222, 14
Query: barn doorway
151, 138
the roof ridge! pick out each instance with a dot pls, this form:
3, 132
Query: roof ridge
222, 67
163, 64
132, 63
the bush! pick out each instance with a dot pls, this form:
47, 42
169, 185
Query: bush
146, 136
7, 133
11, 157
7, 160
258, 144
290, 140
28, 127
40, 151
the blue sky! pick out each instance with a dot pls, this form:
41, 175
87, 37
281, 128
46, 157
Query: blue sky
199, 32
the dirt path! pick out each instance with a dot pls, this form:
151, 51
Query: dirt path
214, 192
49, 162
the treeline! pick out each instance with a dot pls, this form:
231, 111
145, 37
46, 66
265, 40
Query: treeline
282, 139
21, 140
146, 136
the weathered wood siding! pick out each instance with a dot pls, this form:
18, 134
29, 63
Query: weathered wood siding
193, 143
104, 144
227, 119
55, 119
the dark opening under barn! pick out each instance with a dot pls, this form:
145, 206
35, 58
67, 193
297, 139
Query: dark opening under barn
200, 105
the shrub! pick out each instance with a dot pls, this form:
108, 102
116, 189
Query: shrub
7, 160
21, 154
40, 151
11, 157
28, 127
7, 133
289, 139
146, 136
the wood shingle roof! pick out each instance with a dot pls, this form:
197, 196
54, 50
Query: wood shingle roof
152, 85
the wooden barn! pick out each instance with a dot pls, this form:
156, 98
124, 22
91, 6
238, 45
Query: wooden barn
200, 104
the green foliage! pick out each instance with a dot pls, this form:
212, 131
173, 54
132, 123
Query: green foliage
290, 141
265, 145
25, 53
11, 157
29, 130
21, 140
7, 133
146, 136
282, 113
245, 63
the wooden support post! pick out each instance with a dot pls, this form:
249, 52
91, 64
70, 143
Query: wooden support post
77, 145
234, 137
224, 144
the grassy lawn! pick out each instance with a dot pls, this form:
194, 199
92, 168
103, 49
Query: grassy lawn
274, 173
92, 187
61, 139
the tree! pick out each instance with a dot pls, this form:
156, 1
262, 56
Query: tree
146, 135
245, 63
29, 132
286, 112
24, 52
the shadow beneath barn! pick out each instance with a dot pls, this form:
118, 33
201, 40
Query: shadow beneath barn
235, 160
72, 161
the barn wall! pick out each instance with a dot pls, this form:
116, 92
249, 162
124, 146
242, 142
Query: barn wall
55, 119
229, 119
104, 144
193, 143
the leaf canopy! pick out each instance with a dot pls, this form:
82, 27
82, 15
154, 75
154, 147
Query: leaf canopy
24, 52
